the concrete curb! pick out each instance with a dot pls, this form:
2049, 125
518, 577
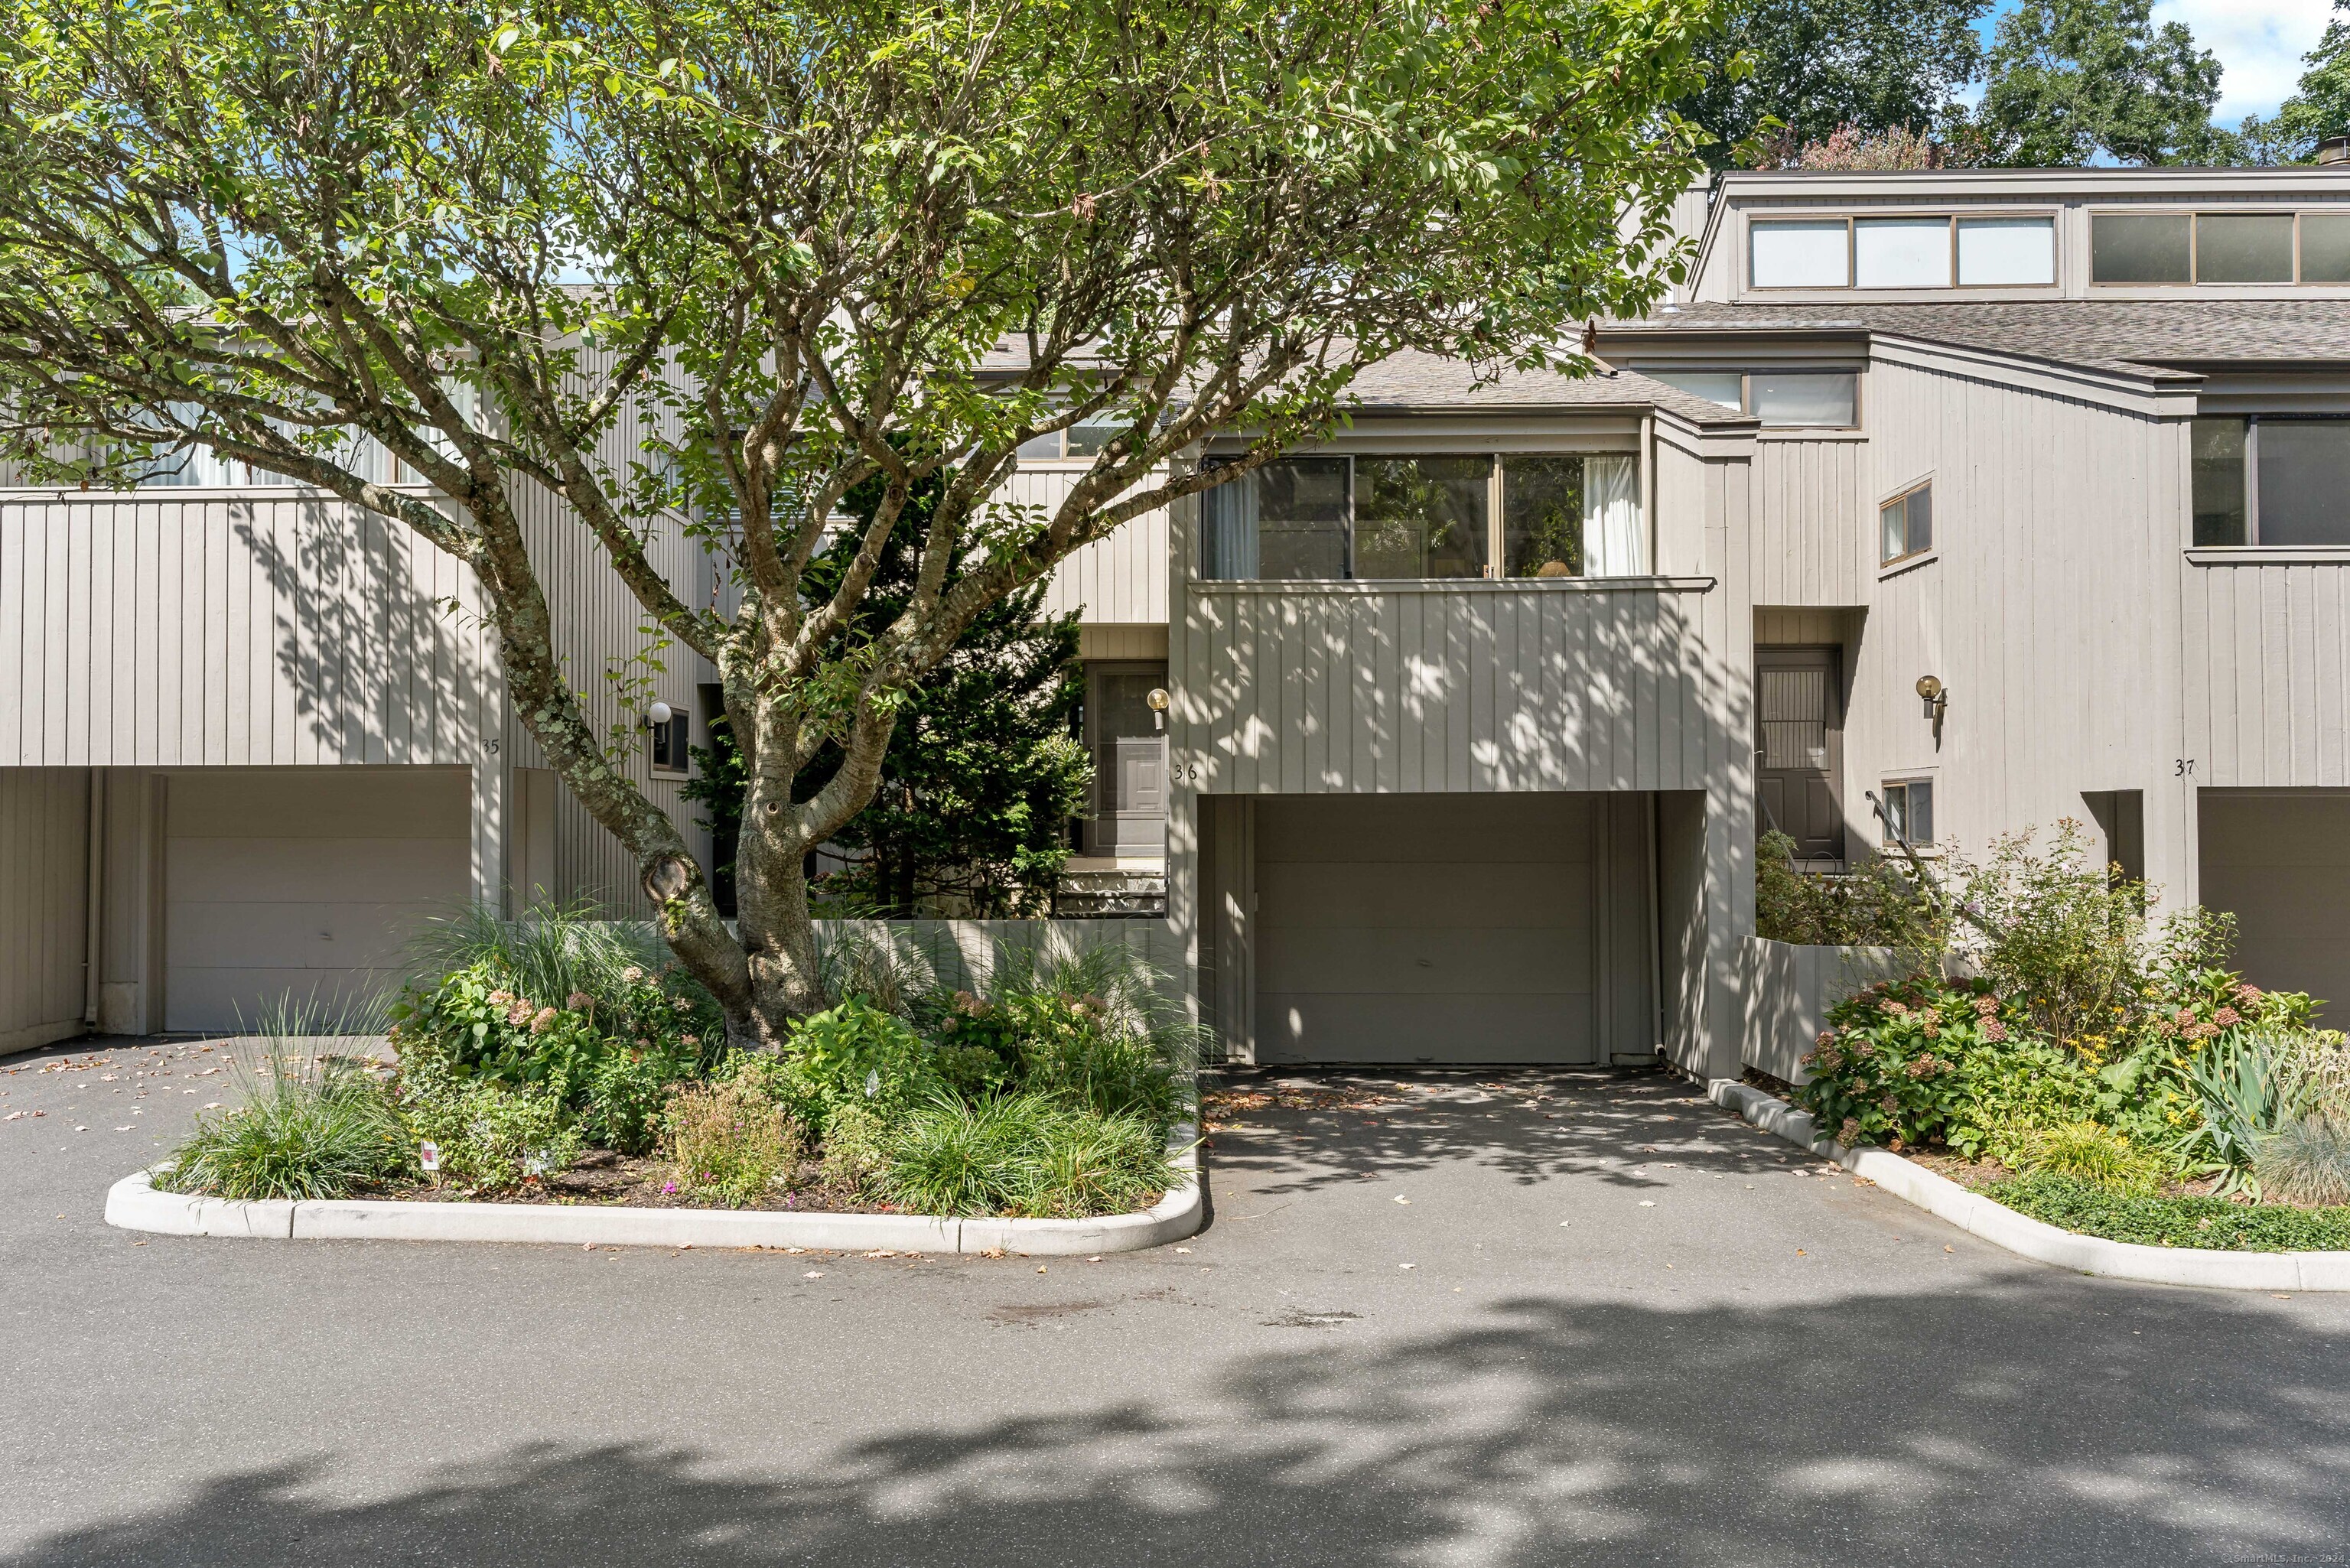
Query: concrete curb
2034, 1239
134, 1204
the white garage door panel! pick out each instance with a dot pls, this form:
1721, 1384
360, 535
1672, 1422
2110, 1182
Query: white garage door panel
1466, 894
301, 935
318, 870
1406, 928
1389, 1028
1447, 829
306, 881
2281, 864
237, 1001
1533, 961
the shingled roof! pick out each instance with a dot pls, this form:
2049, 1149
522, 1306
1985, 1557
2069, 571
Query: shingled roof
2158, 338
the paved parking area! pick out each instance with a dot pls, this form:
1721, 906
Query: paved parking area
1514, 1319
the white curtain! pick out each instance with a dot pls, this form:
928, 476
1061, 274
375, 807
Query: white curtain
1615, 535
1227, 523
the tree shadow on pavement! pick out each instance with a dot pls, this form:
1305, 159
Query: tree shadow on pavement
2189, 1427
1530, 1125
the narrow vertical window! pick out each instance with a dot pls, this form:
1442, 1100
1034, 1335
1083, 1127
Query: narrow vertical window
2221, 516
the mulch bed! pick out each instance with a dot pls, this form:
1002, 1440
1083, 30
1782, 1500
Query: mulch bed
605, 1178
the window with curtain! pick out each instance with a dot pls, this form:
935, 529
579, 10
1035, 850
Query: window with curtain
1568, 515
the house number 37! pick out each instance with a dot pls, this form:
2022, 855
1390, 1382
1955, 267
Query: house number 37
2183, 768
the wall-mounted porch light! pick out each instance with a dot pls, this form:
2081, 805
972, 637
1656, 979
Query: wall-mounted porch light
1936, 698
1157, 701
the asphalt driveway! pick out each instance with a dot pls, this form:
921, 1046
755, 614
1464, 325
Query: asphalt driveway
1521, 1319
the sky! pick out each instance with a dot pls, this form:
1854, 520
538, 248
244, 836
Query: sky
2259, 43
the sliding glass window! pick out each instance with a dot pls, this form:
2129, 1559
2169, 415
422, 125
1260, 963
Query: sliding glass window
1429, 518
2273, 480
1929, 252
2218, 247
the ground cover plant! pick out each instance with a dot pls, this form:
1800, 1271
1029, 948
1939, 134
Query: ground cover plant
311, 1122
557, 1057
2094, 1067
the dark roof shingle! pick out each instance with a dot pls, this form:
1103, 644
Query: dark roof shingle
2136, 335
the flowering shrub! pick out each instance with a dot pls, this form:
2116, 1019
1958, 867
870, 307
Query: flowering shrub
491, 1136
608, 1058
1921, 1059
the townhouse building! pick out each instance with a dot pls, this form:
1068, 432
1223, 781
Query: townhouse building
1965, 501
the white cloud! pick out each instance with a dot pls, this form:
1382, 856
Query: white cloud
2259, 43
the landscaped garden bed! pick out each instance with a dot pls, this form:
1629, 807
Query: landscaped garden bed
558, 1061
2057, 1053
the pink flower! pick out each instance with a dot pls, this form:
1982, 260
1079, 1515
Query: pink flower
1986, 1005
578, 1001
544, 1022
2249, 994
2227, 1018
669, 1186
1826, 1037
1896, 1008
1995, 1031
689, 1039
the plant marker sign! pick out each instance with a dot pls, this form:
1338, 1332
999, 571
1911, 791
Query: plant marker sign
428, 1154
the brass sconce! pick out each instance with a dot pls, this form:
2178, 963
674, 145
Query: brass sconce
1936, 698
1157, 701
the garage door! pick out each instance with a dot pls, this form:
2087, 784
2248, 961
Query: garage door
1409, 929
2280, 861
279, 879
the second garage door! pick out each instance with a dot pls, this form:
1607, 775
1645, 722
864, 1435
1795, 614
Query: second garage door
1430, 929
302, 880
2278, 861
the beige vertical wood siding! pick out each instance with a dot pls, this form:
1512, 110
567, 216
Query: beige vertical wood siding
1120, 579
2049, 608
599, 629
1809, 540
44, 904
1303, 688
232, 628
2267, 671
1789, 990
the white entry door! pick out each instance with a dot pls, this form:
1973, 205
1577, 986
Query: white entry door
305, 880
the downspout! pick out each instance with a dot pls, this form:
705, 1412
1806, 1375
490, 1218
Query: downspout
93, 903
1656, 926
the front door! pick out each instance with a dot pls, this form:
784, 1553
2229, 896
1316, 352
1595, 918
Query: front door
1799, 750
1129, 750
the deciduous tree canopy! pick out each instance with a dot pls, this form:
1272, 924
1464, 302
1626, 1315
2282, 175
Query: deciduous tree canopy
827, 246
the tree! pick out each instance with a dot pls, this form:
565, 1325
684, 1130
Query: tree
2070, 80
982, 772
829, 244
2319, 106
1821, 64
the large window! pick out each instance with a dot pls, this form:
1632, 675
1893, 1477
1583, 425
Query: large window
1790, 400
2277, 479
2007, 251
2218, 247
1380, 517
